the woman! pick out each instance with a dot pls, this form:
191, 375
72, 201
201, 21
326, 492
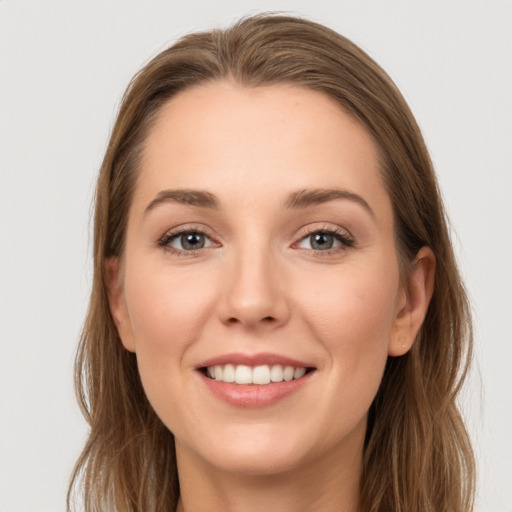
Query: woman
277, 321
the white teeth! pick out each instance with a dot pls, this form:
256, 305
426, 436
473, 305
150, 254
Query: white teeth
299, 372
243, 374
261, 375
276, 373
228, 375
288, 373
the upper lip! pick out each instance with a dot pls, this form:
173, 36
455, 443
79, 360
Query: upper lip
260, 359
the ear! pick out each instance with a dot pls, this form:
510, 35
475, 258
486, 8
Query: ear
413, 302
117, 303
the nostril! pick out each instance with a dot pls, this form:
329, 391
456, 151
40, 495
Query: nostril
267, 319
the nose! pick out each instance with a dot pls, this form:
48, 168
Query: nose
254, 292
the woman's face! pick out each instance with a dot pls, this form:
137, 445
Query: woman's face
260, 246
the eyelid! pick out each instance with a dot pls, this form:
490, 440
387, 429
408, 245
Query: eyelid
342, 235
177, 231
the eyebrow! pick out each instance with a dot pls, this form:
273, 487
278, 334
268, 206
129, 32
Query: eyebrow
299, 199
315, 196
184, 196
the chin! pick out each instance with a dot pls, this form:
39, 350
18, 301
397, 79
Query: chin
268, 449
252, 459
244, 448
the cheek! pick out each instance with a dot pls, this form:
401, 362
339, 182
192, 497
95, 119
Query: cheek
352, 301
167, 307
352, 314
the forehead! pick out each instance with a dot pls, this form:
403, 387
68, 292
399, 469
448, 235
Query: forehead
233, 140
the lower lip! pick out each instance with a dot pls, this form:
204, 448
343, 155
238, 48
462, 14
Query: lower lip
253, 396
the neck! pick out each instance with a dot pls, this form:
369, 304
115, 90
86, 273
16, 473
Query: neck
326, 484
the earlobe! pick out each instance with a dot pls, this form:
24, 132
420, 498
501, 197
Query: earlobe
416, 296
117, 303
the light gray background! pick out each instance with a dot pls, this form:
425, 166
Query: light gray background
63, 68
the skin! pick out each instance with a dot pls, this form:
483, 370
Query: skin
259, 286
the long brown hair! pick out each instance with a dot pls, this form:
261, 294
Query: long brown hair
417, 455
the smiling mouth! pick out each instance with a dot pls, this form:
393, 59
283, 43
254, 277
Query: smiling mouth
255, 375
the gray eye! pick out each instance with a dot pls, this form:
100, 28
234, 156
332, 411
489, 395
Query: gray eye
319, 241
190, 241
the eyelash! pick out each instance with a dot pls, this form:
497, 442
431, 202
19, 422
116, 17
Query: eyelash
168, 237
342, 236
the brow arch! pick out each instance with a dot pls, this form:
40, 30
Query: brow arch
190, 197
310, 197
